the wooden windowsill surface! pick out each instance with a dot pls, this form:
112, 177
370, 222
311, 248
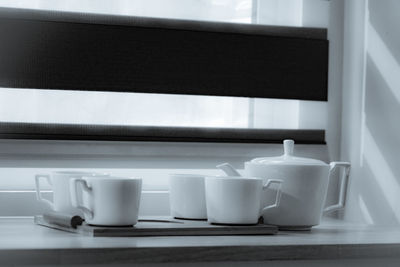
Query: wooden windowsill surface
22, 242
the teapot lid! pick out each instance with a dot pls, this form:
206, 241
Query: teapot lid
287, 157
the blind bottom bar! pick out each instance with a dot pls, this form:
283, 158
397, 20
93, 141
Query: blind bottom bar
45, 131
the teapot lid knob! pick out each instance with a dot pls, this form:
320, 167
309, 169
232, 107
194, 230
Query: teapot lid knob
288, 145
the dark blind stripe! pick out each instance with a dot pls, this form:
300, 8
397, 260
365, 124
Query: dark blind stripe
176, 24
143, 56
41, 131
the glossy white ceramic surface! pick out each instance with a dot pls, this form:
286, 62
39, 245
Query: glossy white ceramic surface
304, 188
236, 200
187, 196
303, 193
59, 182
110, 201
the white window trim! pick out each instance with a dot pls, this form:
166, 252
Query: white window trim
40, 153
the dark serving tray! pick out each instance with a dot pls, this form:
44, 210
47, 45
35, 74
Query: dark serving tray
164, 226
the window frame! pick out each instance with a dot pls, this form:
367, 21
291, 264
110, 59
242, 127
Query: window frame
94, 146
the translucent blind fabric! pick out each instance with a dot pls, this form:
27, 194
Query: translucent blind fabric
134, 109
210, 10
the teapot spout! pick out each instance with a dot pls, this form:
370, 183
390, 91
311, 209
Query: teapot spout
228, 169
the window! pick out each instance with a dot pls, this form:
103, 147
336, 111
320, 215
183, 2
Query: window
103, 108
22, 159
134, 109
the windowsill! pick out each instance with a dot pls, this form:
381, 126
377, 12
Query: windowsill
22, 242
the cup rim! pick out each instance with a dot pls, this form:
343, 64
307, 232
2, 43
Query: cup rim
111, 178
188, 175
81, 173
231, 178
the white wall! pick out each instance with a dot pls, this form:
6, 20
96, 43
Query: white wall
371, 97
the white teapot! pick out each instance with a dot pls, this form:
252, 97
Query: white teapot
304, 188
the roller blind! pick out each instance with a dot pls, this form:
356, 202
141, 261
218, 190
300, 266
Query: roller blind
74, 53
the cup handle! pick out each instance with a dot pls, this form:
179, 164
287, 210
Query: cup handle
343, 185
278, 192
38, 191
73, 186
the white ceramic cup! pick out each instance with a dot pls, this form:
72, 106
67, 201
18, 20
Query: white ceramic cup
187, 196
59, 182
236, 200
108, 201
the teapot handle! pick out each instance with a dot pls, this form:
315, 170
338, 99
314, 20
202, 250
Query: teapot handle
278, 192
343, 185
